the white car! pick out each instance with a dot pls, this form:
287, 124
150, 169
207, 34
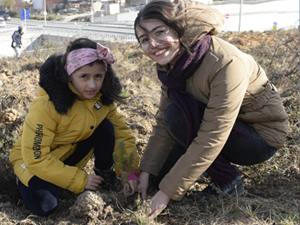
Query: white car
2, 22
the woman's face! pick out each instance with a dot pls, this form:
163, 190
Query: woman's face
88, 80
158, 42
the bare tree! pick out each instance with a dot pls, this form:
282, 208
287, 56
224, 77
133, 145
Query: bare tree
7, 4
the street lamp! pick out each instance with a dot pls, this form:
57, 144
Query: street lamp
45, 12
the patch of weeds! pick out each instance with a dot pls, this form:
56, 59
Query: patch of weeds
138, 216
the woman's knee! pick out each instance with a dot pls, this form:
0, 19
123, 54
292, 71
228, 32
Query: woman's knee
175, 124
173, 116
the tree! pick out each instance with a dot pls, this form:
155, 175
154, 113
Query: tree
65, 2
7, 4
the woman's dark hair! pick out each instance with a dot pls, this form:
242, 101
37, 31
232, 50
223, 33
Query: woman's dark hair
166, 11
178, 17
111, 88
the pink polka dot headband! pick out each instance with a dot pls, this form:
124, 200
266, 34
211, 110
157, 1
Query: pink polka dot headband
84, 56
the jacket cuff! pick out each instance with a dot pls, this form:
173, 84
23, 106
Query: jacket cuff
171, 191
150, 169
132, 176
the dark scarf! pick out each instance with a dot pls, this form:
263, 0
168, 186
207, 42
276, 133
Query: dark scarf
183, 69
221, 171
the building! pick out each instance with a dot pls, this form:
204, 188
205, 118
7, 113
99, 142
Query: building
39, 4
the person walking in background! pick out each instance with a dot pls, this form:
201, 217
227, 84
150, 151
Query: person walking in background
217, 105
73, 117
17, 41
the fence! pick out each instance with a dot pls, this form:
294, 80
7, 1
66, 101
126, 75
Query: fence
35, 35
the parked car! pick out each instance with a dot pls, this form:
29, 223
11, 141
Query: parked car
2, 22
132, 9
6, 17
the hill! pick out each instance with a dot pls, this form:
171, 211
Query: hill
272, 188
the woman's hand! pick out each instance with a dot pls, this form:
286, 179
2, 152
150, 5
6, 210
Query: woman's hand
93, 182
158, 203
144, 182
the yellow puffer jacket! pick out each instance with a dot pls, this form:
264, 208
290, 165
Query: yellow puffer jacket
48, 138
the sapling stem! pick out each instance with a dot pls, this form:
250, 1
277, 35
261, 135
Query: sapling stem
123, 163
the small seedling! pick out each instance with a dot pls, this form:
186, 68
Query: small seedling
124, 163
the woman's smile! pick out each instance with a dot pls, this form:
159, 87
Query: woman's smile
160, 52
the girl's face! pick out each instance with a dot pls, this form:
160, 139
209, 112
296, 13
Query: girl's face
159, 42
88, 80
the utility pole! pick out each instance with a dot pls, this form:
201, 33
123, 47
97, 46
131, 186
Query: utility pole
240, 16
92, 12
25, 17
45, 12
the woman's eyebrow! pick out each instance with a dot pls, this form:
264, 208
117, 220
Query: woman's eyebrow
155, 28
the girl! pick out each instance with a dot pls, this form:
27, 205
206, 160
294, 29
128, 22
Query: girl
73, 117
217, 105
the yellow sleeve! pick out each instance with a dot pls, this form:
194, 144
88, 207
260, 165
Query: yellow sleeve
37, 137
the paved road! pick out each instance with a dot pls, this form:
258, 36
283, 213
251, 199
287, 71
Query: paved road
256, 17
109, 28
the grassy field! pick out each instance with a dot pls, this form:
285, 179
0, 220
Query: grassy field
272, 188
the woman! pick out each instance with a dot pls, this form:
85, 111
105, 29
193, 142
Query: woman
217, 106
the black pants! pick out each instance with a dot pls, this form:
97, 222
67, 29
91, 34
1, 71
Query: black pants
41, 197
243, 147
103, 142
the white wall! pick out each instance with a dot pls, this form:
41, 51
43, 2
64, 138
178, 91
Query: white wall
33, 35
38, 4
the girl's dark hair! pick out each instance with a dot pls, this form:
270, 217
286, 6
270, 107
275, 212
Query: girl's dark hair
54, 79
50, 80
111, 88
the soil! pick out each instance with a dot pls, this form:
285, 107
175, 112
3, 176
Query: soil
19, 78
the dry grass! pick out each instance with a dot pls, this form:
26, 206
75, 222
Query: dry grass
272, 188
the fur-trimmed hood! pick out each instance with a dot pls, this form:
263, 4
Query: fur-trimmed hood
59, 92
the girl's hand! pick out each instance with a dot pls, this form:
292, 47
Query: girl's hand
158, 203
130, 187
144, 183
93, 182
